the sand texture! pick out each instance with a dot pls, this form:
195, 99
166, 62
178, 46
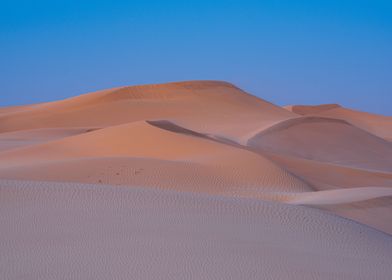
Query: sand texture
193, 180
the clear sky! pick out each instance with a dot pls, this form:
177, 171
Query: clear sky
302, 52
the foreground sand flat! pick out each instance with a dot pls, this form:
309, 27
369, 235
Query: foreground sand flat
193, 180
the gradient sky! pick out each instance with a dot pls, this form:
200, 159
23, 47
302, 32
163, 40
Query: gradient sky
288, 52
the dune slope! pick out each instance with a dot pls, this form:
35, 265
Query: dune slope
228, 111
193, 180
376, 124
193, 161
89, 231
326, 140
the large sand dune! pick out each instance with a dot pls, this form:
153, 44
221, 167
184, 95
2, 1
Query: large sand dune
211, 107
115, 151
73, 231
193, 180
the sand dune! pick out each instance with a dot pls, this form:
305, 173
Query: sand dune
331, 154
24, 138
326, 140
376, 124
135, 145
193, 180
340, 196
326, 175
375, 213
322, 176
100, 232
207, 106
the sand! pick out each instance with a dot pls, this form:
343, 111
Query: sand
376, 124
75, 231
193, 180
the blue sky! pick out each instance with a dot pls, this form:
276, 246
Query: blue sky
301, 52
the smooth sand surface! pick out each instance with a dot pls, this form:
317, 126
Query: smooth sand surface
377, 124
140, 153
75, 231
193, 180
326, 140
207, 106
24, 138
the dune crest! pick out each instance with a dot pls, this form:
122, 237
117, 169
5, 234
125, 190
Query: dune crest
229, 111
340, 196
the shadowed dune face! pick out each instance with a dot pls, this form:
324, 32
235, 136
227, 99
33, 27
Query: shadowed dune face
326, 175
212, 158
331, 154
326, 140
375, 124
311, 110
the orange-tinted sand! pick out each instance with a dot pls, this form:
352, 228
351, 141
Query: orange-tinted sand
193, 180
